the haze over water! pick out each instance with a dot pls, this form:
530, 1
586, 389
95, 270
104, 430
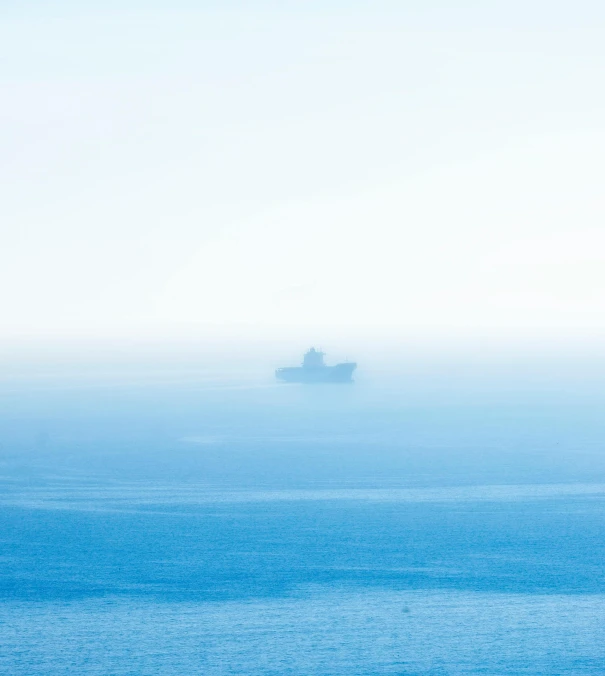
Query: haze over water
193, 194
171, 521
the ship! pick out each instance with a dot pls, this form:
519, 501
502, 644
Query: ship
314, 370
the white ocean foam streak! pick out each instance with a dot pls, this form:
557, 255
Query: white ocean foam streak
134, 496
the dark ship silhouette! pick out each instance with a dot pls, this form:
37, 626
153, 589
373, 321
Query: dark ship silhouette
313, 370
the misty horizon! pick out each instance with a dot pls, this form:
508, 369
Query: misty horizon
197, 194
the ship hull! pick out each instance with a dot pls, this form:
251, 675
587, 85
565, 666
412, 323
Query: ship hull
341, 373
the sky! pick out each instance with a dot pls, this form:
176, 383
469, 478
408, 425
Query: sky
387, 167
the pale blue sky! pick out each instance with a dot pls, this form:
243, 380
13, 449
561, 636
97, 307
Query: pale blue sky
403, 167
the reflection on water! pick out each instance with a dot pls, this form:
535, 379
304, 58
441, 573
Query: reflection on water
314, 631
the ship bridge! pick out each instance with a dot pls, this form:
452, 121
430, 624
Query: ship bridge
313, 359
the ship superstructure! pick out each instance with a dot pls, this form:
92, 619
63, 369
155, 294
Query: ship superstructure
314, 370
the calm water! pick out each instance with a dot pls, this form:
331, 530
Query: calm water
184, 527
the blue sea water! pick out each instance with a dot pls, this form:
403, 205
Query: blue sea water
198, 526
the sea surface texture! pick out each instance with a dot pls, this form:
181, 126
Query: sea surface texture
387, 527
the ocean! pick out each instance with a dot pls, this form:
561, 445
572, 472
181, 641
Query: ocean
188, 524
